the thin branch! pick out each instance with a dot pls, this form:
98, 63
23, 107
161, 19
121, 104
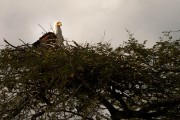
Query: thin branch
164, 104
120, 99
78, 114
22, 41
42, 28
77, 44
9, 43
37, 115
51, 28
108, 105
18, 108
103, 36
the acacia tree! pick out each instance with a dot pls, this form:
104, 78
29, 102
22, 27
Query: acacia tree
91, 81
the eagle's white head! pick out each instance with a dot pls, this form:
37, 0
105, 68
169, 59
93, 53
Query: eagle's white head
58, 32
57, 26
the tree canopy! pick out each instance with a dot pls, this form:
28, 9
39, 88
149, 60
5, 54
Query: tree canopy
92, 82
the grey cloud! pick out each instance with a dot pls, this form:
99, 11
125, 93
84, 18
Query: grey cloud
85, 20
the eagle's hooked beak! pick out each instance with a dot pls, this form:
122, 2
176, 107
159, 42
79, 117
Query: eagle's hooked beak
59, 24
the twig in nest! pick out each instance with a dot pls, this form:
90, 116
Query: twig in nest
25, 44
103, 36
37, 115
42, 28
51, 28
9, 43
22, 41
66, 40
76, 44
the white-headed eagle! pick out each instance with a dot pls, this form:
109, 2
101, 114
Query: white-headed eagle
51, 37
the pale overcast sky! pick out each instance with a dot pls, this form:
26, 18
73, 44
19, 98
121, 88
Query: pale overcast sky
86, 20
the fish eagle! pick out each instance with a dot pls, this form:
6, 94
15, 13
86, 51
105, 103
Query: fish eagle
51, 37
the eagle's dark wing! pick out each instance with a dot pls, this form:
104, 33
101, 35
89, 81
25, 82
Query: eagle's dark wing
47, 38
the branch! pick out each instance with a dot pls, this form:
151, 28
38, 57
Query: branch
18, 108
9, 43
108, 105
120, 99
167, 70
42, 28
37, 115
77, 44
22, 41
51, 28
78, 114
165, 104
160, 109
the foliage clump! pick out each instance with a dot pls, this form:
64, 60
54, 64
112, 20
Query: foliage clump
90, 81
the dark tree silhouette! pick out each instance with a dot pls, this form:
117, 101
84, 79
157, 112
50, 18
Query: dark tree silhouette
91, 81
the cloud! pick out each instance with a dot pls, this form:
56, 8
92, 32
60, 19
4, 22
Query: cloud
85, 20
